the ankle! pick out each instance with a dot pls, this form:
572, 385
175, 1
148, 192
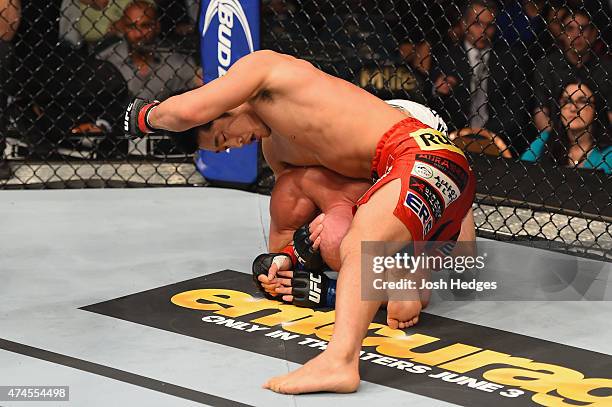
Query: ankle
342, 354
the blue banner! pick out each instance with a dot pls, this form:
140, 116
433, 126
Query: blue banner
229, 30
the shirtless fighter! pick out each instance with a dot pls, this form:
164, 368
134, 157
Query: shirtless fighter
298, 196
309, 118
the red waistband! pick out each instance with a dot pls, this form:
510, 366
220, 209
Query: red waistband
383, 140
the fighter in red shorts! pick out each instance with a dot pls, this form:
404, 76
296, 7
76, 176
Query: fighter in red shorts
307, 117
301, 192
436, 181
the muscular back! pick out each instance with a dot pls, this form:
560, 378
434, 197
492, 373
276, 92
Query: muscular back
317, 119
300, 194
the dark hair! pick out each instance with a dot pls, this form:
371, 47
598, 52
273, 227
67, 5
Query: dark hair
560, 142
187, 141
207, 126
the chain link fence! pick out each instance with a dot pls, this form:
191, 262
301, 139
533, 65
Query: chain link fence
523, 85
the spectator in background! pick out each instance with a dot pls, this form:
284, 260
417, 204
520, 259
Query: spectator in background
521, 24
149, 73
278, 15
577, 138
178, 19
575, 59
521, 21
10, 16
417, 54
88, 22
477, 84
554, 15
403, 77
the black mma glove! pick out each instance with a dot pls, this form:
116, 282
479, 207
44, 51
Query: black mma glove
261, 265
313, 290
307, 257
135, 120
310, 287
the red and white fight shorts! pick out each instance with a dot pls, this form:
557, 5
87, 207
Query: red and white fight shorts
438, 185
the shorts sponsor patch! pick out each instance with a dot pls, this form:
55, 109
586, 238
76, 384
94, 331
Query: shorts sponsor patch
430, 139
445, 186
453, 170
432, 198
422, 170
416, 205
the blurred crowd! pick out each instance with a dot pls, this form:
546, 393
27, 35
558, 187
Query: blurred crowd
69, 68
533, 74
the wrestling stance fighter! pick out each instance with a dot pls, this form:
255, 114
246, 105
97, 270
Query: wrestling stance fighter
299, 195
310, 118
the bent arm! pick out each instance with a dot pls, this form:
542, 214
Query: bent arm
290, 208
245, 79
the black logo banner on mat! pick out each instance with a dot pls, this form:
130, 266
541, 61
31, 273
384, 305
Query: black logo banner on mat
441, 358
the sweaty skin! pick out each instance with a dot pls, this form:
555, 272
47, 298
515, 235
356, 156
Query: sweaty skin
313, 118
306, 117
298, 196
302, 193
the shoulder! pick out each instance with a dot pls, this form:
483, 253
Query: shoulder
271, 60
600, 158
276, 70
118, 50
272, 156
605, 152
264, 56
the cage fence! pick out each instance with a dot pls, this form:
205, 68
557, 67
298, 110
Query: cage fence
524, 87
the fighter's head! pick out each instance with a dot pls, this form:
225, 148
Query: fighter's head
233, 129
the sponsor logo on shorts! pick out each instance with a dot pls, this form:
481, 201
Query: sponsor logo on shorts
422, 170
433, 200
416, 205
443, 184
430, 139
453, 170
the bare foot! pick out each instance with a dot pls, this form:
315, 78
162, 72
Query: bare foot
425, 296
323, 373
403, 314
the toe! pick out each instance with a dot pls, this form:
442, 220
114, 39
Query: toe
393, 323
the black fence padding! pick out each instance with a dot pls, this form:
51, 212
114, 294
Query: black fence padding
545, 187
